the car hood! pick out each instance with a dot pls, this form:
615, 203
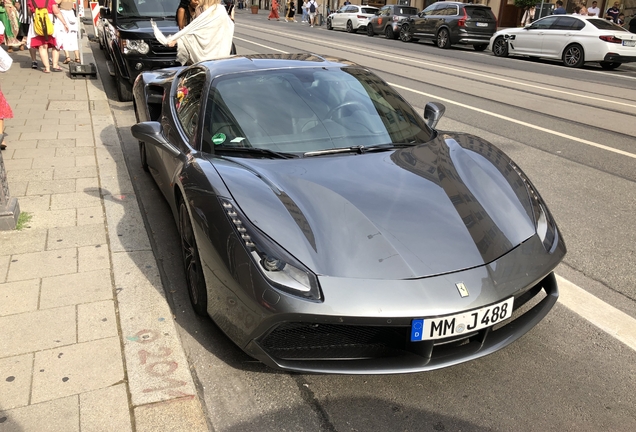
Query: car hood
448, 205
141, 28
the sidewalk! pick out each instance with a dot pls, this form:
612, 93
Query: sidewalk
87, 340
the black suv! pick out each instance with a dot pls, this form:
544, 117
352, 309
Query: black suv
449, 23
125, 33
389, 19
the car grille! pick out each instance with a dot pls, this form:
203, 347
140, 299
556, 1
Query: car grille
157, 49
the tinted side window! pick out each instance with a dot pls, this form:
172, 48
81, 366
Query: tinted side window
479, 12
369, 10
565, 23
544, 23
429, 10
187, 100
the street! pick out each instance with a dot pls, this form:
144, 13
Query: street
572, 131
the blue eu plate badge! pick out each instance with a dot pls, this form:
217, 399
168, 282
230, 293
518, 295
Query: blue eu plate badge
417, 326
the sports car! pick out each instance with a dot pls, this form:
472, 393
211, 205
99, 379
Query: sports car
573, 39
327, 226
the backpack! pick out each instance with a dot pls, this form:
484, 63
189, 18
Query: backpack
312, 7
42, 24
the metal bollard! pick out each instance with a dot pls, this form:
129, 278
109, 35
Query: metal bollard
9, 207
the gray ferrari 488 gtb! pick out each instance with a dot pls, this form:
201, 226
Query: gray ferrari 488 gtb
326, 226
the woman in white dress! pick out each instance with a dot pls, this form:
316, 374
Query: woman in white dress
67, 40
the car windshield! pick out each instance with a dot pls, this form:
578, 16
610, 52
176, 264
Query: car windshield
147, 8
605, 25
308, 109
480, 12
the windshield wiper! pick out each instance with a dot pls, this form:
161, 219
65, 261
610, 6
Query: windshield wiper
139, 17
256, 151
358, 149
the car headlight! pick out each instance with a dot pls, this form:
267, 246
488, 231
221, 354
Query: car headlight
131, 46
281, 269
544, 224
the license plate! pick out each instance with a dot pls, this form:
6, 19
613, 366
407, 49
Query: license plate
457, 324
482, 24
629, 43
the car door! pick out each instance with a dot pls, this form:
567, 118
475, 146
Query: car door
383, 16
420, 21
336, 20
441, 14
528, 40
559, 35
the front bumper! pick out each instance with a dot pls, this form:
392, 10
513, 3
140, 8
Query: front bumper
617, 58
138, 64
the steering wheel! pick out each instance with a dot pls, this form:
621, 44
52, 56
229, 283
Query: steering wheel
345, 104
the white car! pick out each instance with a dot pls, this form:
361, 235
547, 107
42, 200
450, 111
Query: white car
351, 18
574, 39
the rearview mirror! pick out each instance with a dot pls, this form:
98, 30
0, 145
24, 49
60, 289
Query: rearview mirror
105, 13
433, 112
152, 133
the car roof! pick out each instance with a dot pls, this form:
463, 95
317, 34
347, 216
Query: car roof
461, 4
254, 62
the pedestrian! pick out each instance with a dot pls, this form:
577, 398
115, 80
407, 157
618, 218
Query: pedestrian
186, 12
312, 8
11, 20
613, 12
528, 16
305, 13
583, 8
621, 19
273, 13
560, 10
68, 40
632, 24
593, 11
25, 23
43, 43
5, 113
207, 37
291, 12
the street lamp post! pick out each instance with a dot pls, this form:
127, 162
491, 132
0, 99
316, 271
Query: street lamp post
9, 207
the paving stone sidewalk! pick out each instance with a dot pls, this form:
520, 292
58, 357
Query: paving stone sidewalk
87, 340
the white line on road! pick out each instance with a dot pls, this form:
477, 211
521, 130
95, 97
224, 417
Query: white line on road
609, 319
451, 68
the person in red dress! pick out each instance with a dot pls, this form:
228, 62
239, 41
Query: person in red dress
273, 14
5, 113
43, 43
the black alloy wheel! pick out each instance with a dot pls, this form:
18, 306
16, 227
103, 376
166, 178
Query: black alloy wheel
124, 89
405, 36
370, 30
192, 263
480, 47
443, 39
350, 28
329, 26
573, 56
500, 47
610, 65
388, 32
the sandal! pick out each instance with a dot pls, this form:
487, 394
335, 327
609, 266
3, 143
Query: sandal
57, 69
46, 71
67, 60
77, 60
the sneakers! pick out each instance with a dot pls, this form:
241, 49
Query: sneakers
34, 65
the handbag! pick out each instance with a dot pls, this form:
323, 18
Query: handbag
5, 61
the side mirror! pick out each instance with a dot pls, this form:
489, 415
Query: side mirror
152, 133
433, 112
105, 12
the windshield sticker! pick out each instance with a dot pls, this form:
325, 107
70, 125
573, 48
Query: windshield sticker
218, 138
238, 139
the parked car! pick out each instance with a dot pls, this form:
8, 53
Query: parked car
127, 37
351, 18
574, 39
341, 232
450, 23
388, 20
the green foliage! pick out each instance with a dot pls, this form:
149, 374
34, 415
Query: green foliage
527, 3
23, 220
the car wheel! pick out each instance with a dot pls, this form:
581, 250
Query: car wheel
610, 65
329, 25
574, 56
500, 47
124, 89
443, 39
388, 33
192, 263
370, 30
350, 28
480, 47
405, 35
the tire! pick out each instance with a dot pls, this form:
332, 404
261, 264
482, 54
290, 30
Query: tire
610, 65
124, 89
573, 56
500, 47
480, 47
350, 28
329, 26
443, 39
192, 263
370, 32
405, 36
388, 32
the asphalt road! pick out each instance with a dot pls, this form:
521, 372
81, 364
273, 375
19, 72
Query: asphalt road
566, 374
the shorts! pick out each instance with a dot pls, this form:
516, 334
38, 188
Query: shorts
312, 14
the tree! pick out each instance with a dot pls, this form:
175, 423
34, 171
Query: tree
526, 3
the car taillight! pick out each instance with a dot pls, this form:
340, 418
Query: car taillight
362, 17
611, 39
462, 21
